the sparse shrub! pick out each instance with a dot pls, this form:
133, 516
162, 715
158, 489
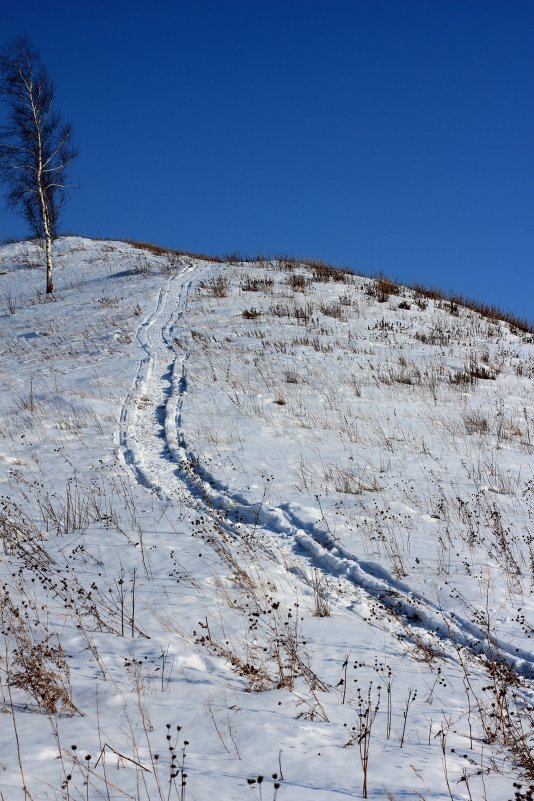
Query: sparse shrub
257, 284
367, 710
141, 265
234, 257
320, 594
217, 287
480, 371
10, 303
35, 666
349, 482
382, 288
473, 371
280, 310
303, 313
334, 309
476, 423
322, 272
298, 282
462, 378
452, 307
42, 672
421, 302
109, 303
172, 262
250, 314
151, 247
451, 302
159, 250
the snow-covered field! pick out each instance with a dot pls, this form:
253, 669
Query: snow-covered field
267, 533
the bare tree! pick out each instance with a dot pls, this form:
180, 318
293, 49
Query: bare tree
35, 146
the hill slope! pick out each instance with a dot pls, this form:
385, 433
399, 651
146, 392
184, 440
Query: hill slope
260, 518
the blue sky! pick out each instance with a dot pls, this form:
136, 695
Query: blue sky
387, 135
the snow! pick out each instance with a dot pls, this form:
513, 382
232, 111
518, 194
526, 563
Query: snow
272, 511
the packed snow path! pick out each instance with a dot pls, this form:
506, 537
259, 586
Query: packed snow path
146, 439
153, 445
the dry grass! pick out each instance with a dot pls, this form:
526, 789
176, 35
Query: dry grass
217, 287
33, 659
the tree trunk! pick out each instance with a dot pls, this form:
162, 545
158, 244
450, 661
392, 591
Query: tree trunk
49, 282
41, 191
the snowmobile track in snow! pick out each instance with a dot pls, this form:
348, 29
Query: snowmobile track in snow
152, 444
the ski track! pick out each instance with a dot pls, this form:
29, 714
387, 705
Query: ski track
151, 443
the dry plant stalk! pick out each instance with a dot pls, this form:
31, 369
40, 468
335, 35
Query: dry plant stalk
34, 664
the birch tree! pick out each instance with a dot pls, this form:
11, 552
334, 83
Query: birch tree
35, 145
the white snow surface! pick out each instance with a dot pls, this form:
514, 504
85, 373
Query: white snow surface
257, 523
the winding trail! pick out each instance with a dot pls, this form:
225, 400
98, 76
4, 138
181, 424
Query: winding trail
147, 440
151, 442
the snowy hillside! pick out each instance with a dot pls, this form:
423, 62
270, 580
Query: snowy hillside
267, 533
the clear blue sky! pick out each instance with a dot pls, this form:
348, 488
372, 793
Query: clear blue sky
392, 135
